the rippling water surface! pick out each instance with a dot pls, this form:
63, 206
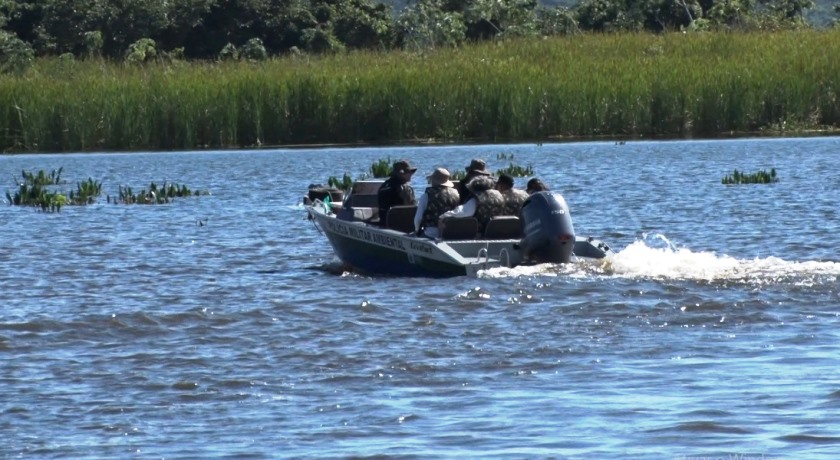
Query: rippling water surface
221, 327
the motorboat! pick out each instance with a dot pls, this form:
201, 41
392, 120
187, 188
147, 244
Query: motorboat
387, 245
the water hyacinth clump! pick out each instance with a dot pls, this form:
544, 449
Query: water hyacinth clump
760, 177
86, 192
515, 170
155, 195
342, 184
381, 168
39, 190
35, 191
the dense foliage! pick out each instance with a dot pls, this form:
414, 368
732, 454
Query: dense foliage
671, 85
140, 30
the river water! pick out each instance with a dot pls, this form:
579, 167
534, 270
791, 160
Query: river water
220, 326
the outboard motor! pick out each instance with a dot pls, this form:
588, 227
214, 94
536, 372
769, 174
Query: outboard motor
548, 229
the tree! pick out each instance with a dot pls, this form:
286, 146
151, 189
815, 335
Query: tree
427, 25
362, 24
607, 16
491, 18
15, 55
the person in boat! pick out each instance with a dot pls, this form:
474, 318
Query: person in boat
396, 190
439, 198
486, 202
513, 196
535, 185
477, 168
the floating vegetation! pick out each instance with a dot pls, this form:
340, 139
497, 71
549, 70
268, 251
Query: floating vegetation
38, 190
504, 156
381, 168
155, 195
34, 191
42, 178
458, 175
86, 192
760, 177
343, 184
516, 171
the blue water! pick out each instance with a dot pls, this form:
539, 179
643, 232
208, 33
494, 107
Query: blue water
220, 326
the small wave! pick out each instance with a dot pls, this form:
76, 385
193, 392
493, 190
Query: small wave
810, 439
704, 426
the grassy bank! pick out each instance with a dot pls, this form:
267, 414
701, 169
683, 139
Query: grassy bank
673, 85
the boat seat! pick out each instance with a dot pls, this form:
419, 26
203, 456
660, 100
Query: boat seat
460, 228
503, 228
401, 218
364, 201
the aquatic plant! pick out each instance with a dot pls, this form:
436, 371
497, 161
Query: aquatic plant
155, 195
34, 191
515, 170
760, 177
381, 168
42, 178
37, 195
344, 184
86, 192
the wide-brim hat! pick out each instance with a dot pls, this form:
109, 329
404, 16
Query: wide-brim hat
478, 166
403, 166
440, 177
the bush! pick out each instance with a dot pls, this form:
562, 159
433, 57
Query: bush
141, 51
254, 50
15, 54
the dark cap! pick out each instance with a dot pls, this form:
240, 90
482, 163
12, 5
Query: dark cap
505, 179
403, 166
479, 166
536, 185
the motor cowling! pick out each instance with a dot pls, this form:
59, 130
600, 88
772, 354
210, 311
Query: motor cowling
547, 226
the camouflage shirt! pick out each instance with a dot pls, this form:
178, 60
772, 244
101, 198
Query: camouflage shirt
513, 201
438, 200
491, 203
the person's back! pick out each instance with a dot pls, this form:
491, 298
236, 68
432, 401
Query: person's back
477, 168
439, 198
513, 197
396, 190
490, 202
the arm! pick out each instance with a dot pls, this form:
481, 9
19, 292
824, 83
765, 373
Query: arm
465, 210
407, 194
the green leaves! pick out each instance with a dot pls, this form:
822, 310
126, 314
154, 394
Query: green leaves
760, 177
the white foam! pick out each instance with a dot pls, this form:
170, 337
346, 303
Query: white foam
655, 257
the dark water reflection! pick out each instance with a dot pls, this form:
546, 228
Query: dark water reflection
136, 332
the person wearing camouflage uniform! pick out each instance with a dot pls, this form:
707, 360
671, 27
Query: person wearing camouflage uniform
485, 203
439, 198
513, 197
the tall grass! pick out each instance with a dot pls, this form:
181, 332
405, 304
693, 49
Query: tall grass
672, 85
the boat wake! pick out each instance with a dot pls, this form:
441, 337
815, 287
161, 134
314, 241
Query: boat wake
655, 257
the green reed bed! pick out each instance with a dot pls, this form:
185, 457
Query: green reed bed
673, 85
